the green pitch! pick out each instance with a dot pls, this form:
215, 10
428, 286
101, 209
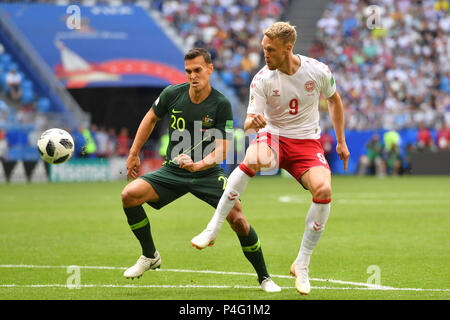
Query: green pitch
385, 239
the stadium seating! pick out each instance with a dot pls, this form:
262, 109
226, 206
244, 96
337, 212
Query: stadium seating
14, 119
230, 30
391, 76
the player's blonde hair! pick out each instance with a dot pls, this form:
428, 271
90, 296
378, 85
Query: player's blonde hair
283, 31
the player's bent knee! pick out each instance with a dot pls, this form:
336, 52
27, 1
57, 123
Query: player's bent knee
322, 192
128, 200
137, 193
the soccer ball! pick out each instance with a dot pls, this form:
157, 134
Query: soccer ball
55, 146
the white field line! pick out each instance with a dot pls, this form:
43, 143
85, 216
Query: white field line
365, 286
168, 286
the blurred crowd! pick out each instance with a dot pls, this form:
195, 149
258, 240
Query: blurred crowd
390, 60
100, 142
19, 141
385, 154
230, 29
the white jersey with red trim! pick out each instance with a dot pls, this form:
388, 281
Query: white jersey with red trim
291, 103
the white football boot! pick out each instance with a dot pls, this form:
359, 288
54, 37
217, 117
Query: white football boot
267, 285
302, 280
204, 239
143, 264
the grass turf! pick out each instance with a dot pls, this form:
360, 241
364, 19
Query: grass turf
399, 225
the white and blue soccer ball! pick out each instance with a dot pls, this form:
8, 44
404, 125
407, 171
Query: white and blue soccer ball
55, 146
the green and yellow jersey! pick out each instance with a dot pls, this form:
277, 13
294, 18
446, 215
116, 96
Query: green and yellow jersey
193, 128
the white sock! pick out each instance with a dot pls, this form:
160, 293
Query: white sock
315, 224
236, 184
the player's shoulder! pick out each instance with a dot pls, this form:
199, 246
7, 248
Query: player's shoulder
219, 97
314, 65
263, 75
175, 89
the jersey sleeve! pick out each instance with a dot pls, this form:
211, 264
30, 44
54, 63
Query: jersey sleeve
257, 99
326, 80
160, 106
224, 122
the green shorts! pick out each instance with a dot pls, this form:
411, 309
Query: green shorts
171, 182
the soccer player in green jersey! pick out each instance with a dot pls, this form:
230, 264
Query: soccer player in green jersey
199, 118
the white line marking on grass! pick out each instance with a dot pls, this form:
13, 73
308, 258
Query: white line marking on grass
365, 286
189, 286
188, 271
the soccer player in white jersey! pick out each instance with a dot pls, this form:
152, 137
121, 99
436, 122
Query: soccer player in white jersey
283, 109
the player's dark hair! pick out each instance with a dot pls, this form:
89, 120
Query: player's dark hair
195, 52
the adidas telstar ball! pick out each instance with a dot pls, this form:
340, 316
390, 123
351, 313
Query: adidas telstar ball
55, 146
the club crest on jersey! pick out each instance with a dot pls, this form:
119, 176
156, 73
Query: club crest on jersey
276, 93
309, 86
207, 121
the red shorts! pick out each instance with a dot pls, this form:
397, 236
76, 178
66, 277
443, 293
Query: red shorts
296, 156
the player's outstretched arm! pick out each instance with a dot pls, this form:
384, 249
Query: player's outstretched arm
336, 110
145, 129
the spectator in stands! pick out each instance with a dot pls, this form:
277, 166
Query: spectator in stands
26, 114
90, 147
102, 142
123, 142
394, 160
373, 160
239, 82
401, 66
409, 150
3, 144
229, 29
424, 139
443, 137
13, 82
391, 139
112, 142
328, 143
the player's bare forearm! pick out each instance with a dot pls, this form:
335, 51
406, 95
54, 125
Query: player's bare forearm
144, 131
217, 156
254, 122
212, 159
336, 110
